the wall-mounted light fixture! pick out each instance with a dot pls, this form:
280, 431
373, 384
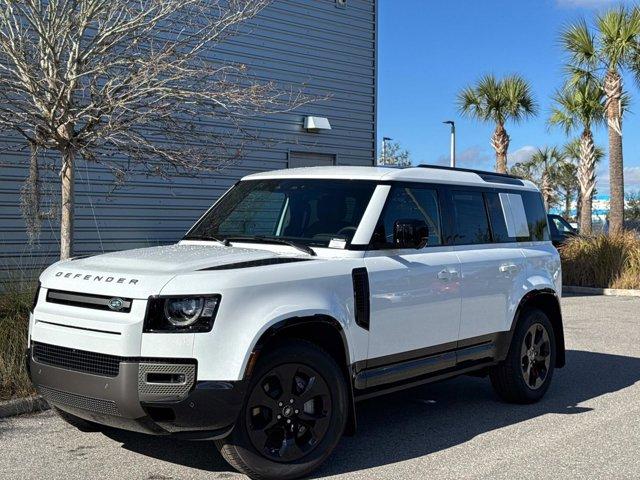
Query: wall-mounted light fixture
316, 124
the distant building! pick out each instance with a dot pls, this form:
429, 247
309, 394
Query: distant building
327, 45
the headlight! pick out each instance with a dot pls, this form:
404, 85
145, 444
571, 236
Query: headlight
181, 314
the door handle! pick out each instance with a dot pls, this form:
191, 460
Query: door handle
508, 268
447, 274
444, 275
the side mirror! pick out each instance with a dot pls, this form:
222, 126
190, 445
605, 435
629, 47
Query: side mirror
409, 233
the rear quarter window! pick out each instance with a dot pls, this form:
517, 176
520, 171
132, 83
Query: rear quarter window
536, 216
517, 216
509, 221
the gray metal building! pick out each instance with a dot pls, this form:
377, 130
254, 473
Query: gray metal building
327, 45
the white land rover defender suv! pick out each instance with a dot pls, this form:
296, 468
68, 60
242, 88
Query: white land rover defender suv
299, 293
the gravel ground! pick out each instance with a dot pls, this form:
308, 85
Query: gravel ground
588, 425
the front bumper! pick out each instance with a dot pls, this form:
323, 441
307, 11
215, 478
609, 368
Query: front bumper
152, 396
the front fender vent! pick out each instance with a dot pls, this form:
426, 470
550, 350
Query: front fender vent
361, 296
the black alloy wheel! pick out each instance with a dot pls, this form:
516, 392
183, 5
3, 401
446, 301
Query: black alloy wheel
525, 374
294, 413
288, 412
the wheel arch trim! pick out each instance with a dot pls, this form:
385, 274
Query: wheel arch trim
531, 297
277, 328
273, 331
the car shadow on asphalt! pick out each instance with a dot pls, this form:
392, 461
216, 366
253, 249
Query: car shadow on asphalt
426, 419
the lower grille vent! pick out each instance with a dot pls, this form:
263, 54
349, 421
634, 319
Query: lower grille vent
73, 400
77, 360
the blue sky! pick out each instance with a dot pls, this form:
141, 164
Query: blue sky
429, 50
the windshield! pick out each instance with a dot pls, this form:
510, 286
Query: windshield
312, 212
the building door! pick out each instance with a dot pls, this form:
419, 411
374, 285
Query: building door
311, 159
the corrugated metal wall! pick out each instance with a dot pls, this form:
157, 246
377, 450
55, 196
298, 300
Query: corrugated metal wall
313, 42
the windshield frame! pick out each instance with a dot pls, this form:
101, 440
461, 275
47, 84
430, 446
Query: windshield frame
299, 240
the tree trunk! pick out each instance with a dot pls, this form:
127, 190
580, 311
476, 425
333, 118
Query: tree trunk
587, 180
67, 209
613, 91
586, 221
500, 143
30, 198
547, 190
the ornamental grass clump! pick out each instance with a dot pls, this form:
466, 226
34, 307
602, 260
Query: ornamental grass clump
602, 261
15, 303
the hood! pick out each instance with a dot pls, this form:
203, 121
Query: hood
144, 271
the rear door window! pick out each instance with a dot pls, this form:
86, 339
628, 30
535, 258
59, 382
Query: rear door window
471, 224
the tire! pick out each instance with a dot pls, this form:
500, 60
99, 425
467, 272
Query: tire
525, 375
77, 422
276, 439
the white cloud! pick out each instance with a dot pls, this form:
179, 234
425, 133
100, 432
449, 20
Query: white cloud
590, 3
474, 157
523, 154
631, 179
480, 158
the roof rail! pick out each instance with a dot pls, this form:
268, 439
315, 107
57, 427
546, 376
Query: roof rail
492, 177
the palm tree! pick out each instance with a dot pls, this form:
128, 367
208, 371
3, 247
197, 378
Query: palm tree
606, 53
565, 178
498, 101
547, 160
574, 151
580, 106
541, 168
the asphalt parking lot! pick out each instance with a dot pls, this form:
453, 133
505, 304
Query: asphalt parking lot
588, 425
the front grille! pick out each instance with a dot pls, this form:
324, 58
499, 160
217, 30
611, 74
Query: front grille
56, 397
85, 300
77, 360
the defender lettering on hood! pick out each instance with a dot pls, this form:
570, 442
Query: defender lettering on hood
97, 278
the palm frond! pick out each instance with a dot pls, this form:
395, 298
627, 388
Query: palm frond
498, 100
561, 115
580, 43
579, 105
520, 102
575, 75
619, 29
470, 103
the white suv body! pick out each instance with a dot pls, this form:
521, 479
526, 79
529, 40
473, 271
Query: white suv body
401, 277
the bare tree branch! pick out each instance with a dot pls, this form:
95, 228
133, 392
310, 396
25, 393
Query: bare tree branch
131, 84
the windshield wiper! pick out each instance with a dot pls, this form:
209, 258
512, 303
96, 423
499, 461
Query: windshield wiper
223, 241
278, 241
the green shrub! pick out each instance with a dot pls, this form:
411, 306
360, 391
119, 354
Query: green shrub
603, 261
15, 303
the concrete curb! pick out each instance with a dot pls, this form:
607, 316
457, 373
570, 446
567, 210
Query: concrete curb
19, 406
614, 292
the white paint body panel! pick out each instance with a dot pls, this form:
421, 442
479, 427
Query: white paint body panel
492, 283
413, 306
